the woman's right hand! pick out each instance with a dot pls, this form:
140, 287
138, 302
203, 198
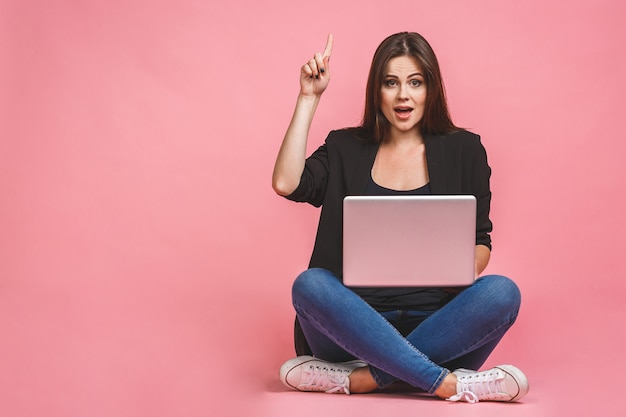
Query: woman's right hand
315, 74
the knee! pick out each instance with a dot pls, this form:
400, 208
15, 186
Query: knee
313, 281
503, 293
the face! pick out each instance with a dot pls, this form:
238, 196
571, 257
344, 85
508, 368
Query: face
403, 95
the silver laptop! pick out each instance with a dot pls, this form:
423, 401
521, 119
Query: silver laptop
409, 240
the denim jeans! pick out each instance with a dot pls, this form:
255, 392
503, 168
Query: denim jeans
340, 326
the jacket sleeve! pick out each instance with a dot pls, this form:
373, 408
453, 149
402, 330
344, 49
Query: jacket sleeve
481, 174
314, 179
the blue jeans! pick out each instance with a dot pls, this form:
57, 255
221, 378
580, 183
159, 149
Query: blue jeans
340, 326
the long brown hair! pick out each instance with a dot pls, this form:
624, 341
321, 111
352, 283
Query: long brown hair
436, 119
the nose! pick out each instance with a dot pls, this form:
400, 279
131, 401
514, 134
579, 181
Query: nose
403, 92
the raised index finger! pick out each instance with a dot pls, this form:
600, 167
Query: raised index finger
329, 46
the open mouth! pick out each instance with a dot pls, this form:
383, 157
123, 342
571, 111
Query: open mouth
403, 111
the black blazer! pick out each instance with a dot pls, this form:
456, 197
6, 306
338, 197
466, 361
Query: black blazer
457, 164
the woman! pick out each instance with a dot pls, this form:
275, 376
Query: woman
365, 339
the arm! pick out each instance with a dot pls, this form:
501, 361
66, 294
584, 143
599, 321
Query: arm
314, 78
480, 179
481, 189
481, 259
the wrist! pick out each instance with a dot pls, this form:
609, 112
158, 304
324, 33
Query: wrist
307, 104
309, 98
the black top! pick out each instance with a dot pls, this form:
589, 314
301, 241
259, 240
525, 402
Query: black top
374, 189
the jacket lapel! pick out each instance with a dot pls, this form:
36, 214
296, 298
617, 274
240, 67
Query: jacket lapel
434, 158
363, 169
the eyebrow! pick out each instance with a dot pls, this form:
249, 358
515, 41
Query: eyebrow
412, 75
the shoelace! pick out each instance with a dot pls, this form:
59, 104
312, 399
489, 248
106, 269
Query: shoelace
485, 385
329, 380
467, 396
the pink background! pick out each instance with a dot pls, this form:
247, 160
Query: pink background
146, 263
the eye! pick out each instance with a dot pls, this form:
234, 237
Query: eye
415, 83
390, 83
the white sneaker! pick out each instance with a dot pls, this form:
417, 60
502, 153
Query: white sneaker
502, 383
306, 373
